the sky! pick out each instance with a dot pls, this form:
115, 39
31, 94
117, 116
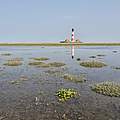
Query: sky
52, 20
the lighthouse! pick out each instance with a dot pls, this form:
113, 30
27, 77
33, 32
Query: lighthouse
72, 41
72, 38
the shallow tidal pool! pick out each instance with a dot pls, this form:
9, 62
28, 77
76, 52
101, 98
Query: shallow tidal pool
28, 92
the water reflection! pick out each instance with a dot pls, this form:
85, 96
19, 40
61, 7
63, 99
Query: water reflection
72, 51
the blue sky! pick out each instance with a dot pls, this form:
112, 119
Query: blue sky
52, 20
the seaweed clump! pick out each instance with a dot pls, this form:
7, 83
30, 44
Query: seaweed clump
13, 62
42, 64
56, 64
39, 64
73, 78
40, 58
92, 64
107, 88
65, 94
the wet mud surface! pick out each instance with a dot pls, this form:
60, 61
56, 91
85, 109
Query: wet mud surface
33, 96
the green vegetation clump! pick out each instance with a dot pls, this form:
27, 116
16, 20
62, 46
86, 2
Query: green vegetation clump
13, 62
73, 78
107, 88
92, 64
41, 58
56, 64
39, 64
65, 94
36, 63
42, 64
52, 71
57, 73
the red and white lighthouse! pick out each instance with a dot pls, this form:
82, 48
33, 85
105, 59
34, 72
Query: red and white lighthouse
72, 37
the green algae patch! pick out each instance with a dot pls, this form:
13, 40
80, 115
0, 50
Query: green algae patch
93, 64
36, 63
74, 78
57, 73
107, 88
42, 64
40, 58
56, 64
13, 62
39, 64
65, 94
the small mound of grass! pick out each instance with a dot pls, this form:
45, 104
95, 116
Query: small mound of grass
13, 63
41, 58
42, 64
56, 73
36, 63
92, 64
56, 64
73, 78
65, 94
107, 88
39, 64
